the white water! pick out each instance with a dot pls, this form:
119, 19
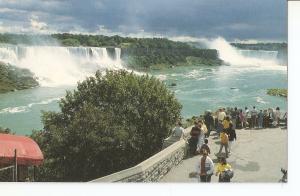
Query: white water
250, 59
56, 66
26, 108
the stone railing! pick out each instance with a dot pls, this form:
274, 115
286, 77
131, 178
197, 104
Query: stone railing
154, 168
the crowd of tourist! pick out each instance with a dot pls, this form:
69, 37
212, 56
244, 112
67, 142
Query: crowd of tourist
198, 144
224, 122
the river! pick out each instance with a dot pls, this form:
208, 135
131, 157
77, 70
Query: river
242, 83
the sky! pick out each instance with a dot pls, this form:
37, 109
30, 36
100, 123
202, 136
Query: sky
231, 19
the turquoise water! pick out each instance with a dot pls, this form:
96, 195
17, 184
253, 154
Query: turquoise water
202, 88
197, 89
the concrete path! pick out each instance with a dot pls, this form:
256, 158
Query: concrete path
256, 156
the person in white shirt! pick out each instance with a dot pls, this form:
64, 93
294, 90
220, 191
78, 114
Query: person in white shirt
277, 116
205, 167
221, 114
201, 138
178, 131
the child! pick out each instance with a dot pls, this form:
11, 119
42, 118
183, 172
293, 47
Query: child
223, 167
220, 127
224, 142
204, 147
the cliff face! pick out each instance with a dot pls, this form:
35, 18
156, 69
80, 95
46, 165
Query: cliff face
13, 78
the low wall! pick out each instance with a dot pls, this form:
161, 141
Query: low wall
152, 169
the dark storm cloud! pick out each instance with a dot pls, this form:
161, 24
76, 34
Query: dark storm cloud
251, 19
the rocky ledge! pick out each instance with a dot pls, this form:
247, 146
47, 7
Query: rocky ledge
13, 78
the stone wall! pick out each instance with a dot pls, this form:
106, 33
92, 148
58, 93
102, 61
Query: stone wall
152, 169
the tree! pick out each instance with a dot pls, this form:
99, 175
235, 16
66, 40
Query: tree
70, 42
109, 123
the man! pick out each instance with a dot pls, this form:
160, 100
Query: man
260, 119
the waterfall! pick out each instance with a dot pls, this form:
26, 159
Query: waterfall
55, 65
260, 54
9, 54
245, 58
118, 54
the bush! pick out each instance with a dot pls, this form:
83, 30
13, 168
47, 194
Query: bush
109, 123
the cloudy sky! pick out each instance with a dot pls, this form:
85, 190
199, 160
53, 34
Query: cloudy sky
231, 19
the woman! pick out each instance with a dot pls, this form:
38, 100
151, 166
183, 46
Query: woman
193, 141
242, 118
205, 167
277, 116
201, 138
224, 171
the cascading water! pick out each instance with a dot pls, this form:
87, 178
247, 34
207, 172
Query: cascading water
260, 54
54, 65
245, 58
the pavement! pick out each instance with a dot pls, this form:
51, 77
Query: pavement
256, 156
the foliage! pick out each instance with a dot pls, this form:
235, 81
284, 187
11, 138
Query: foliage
150, 52
70, 42
261, 46
6, 131
277, 92
111, 122
13, 78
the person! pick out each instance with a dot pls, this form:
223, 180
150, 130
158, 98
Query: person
266, 120
285, 116
226, 123
220, 127
205, 167
260, 117
231, 136
178, 131
253, 117
222, 168
234, 116
247, 117
204, 147
224, 142
193, 141
209, 122
203, 129
277, 116
242, 118
221, 114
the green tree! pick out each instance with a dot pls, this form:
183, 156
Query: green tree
70, 42
111, 122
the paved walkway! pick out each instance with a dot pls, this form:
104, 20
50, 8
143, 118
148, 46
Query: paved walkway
257, 156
